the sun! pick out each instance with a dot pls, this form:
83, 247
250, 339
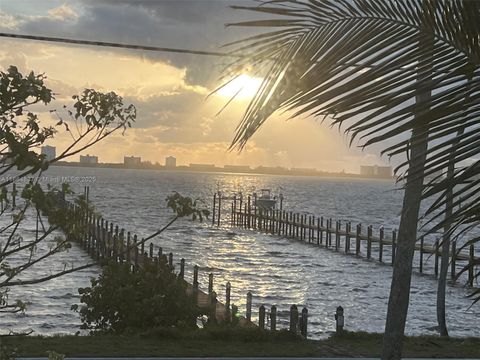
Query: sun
242, 87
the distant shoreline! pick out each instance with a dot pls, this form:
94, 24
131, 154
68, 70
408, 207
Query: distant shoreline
256, 171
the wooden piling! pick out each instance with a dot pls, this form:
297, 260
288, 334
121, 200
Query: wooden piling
228, 290
436, 257
273, 318
303, 328
214, 208
261, 317
293, 319
380, 244
357, 239
182, 268
210, 283
369, 241
248, 312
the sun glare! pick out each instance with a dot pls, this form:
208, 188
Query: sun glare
243, 86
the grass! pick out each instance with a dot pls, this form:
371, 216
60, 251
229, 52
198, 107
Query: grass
227, 342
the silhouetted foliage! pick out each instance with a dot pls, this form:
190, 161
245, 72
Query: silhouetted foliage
122, 300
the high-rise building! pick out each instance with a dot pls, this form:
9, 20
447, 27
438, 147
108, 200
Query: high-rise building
376, 171
50, 152
170, 162
88, 159
132, 160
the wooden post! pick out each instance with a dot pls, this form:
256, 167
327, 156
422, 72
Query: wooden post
151, 250
435, 249
248, 313
273, 318
369, 241
318, 231
293, 319
454, 258
303, 328
210, 283
339, 319
330, 232
182, 268
337, 235
327, 234
380, 244
321, 229
421, 255
143, 247
129, 249
261, 317
195, 283
348, 228
136, 252
228, 291
160, 252
249, 215
394, 245
357, 239
122, 245
471, 262
214, 206
170, 260
115, 244
219, 207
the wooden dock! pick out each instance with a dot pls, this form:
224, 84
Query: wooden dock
103, 240
340, 236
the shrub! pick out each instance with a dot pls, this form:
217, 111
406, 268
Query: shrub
121, 300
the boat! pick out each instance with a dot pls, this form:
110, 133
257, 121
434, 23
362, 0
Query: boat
264, 200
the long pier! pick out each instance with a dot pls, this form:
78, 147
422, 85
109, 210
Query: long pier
103, 240
339, 236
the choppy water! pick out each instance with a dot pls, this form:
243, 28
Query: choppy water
277, 270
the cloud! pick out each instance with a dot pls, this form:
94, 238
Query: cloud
63, 13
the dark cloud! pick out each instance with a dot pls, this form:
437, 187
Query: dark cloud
197, 25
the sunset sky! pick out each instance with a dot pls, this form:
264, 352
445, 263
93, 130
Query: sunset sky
174, 117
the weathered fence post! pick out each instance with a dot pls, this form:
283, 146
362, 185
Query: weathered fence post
293, 319
170, 259
248, 313
261, 317
339, 319
273, 318
435, 249
151, 250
